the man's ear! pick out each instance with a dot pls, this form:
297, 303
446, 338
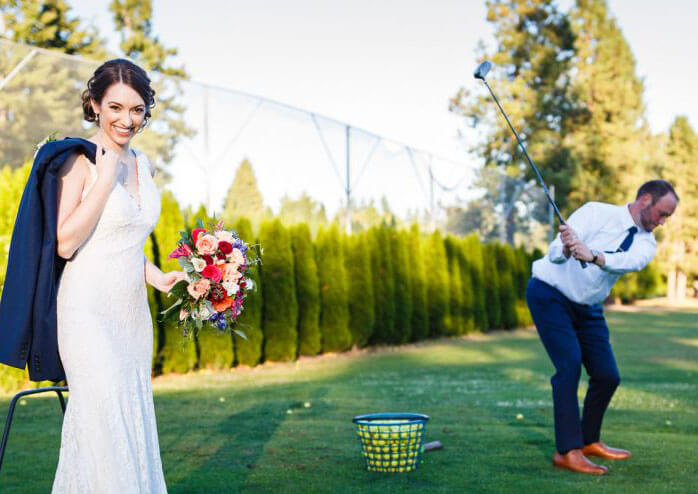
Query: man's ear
646, 199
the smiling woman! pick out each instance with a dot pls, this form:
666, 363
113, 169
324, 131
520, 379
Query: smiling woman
109, 440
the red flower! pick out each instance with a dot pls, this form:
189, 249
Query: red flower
208, 259
217, 294
195, 233
212, 273
225, 247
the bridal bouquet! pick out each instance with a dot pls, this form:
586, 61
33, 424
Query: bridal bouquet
216, 261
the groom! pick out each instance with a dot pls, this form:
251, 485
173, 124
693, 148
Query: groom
565, 299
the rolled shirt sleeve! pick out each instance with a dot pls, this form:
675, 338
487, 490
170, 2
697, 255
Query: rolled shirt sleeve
635, 259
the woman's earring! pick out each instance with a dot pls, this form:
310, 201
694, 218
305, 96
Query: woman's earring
97, 117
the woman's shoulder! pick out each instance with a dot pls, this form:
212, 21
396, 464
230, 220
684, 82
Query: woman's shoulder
143, 158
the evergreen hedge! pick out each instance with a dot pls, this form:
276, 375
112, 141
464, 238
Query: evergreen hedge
307, 291
403, 287
438, 293
248, 351
279, 307
420, 308
357, 261
334, 308
383, 284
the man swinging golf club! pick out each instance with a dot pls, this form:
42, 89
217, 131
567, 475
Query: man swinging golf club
565, 299
565, 302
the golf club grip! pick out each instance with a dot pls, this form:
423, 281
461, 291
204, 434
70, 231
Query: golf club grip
562, 222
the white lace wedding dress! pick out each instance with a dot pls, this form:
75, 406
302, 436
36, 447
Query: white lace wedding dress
109, 442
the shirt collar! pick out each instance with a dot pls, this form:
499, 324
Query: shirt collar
627, 220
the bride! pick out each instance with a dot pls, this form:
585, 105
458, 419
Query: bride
106, 210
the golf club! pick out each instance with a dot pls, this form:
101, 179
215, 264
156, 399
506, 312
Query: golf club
481, 73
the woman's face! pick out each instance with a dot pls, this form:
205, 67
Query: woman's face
121, 113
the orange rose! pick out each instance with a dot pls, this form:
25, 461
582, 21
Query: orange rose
223, 304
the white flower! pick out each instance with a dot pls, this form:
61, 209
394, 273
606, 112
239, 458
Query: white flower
199, 264
204, 313
231, 287
249, 282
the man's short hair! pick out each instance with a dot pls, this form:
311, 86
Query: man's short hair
657, 189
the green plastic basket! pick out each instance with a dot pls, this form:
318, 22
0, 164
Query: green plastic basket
391, 442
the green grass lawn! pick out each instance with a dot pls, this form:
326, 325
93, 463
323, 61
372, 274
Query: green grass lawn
250, 430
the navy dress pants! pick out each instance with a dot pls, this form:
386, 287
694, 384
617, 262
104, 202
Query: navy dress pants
574, 334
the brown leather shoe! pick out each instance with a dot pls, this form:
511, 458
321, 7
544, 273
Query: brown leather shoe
601, 450
575, 461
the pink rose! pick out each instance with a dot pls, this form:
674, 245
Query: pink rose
207, 244
212, 272
197, 289
230, 273
237, 257
224, 236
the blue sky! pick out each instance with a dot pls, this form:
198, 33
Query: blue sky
390, 66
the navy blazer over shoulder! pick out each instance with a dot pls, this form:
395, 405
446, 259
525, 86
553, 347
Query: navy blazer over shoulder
28, 304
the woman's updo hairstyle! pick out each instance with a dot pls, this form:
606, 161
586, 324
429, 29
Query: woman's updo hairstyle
112, 72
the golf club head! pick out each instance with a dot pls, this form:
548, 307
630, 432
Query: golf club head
482, 70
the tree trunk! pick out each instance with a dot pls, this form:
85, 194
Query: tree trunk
671, 286
681, 286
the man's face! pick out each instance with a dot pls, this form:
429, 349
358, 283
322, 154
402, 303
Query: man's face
653, 215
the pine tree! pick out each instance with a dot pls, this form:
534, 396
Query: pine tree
133, 20
248, 350
531, 61
49, 24
41, 98
280, 307
679, 249
307, 291
608, 136
244, 198
420, 309
357, 259
303, 210
334, 308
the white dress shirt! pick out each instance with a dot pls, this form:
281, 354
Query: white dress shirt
601, 227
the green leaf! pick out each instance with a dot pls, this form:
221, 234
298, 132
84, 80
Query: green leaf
200, 224
178, 302
240, 334
186, 264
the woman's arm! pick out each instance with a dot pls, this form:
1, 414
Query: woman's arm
159, 280
76, 218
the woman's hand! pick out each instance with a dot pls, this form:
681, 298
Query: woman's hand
108, 164
171, 279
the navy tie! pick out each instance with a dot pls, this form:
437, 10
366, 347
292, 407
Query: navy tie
628, 241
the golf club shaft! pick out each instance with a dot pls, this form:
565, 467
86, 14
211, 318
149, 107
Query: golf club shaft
530, 162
